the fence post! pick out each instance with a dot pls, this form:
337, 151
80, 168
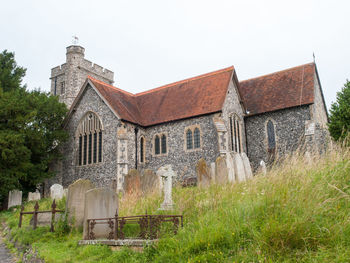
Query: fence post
53, 212
116, 225
35, 215
20, 216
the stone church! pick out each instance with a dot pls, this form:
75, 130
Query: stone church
112, 131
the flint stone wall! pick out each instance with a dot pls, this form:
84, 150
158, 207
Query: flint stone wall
182, 161
99, 203
76, 200
289, 129
101, 174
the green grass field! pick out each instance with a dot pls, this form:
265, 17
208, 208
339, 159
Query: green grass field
298, 212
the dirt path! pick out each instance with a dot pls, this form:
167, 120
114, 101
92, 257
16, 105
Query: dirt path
5, 255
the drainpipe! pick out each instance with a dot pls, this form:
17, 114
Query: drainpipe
136, 131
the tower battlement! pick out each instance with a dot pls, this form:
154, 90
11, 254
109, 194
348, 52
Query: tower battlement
68, 78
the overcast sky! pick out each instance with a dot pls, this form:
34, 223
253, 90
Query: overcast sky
151, 43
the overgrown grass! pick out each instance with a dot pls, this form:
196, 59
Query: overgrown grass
298, 212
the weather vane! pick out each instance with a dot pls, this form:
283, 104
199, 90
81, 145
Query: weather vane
75, 40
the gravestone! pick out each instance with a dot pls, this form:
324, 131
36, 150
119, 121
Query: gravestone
247, 167
132, 183
221, 170
150, 182
33, 196
263, 167
203, 173
56, 191
15, 198
99, 203
230, 168
76, 200
167, 173
239, 167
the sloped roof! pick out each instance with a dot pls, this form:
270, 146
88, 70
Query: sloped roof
284, 89
191, 97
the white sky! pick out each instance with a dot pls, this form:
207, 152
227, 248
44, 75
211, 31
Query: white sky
151, 43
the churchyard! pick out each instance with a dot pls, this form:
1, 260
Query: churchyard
297, 212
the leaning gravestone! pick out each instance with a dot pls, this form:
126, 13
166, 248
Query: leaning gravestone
221, 170
33, 196
239, 167
99, 203
150, 182
56, 191
15, 198
132, 183
203, 173
247, 167
76, 200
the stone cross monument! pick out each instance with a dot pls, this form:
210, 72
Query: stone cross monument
167, 173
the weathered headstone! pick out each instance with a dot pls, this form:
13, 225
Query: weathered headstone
203, 173
263, 167
221, 170
99, 203
167, 173
33, 196
239, 167
150, 182
56, 191
76, 200
132, 183
230, 167
15, 198
247, 167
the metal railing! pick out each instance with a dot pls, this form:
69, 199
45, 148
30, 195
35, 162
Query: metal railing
36, 212
149, 225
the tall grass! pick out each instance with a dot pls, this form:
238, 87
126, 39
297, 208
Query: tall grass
298, 212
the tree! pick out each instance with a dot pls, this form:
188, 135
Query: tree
339, 125
30, 130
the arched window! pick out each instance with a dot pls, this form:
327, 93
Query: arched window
189, 142
156, 145
271, 139
89, 134
163, 143
235, 132
142, 150
197, 138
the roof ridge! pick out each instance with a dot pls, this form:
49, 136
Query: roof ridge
185, 80
111, 86
280, 71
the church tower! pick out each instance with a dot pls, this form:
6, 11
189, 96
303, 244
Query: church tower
68, 78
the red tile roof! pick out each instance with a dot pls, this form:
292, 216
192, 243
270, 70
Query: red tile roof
196, 96
284, 89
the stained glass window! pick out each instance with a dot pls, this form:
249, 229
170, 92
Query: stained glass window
197, 138
156, 145
189, 139
163, 143
271, 135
